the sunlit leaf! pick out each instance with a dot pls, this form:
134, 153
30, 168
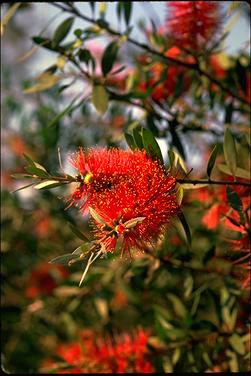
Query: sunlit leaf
10, 13
48, 184
96, 216
46, 82
237, 344
239, 172
26, 186
100, 98
133, 222
37, 171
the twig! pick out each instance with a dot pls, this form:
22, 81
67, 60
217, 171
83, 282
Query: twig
145, 47
215, 182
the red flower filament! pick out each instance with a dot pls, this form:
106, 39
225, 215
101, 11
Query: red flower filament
192, 23
131, 193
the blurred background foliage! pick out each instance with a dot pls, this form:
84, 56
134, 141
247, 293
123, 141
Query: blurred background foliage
193, 300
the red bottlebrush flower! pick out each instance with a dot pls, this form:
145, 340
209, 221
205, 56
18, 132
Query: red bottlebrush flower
44, 279
192, 23
127, 354
121, 185
167, 86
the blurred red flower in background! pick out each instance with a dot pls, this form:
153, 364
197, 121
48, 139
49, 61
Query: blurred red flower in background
96, 355
44, 279
166, 87
193, 23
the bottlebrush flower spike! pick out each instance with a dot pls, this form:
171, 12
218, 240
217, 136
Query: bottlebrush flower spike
96, 355
192, 23
130, 194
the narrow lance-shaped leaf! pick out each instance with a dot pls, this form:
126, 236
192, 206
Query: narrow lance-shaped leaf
240, 172
78, 233
133, 222
48, 184
151, 146
130, 141
137, 135
230, 153
109, 57
62, 31
212, 160
64, 259
100, 98
185, 227
127, 9
37, 171
96, 216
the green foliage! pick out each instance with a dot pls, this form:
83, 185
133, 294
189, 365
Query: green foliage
188, 288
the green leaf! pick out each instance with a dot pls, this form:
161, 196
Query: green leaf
64, 259
241, 76
130, 141
100, 98
151, 146
109, 57
137, 135
81, 249
127, 9
96, 216
237, 344
240, 172
178, 306
44, 42
185, 227
62, 31
37, 171
86, 57
211, 160
78, 233
133, 222
176, 138
230, 151
48, 184
209, 255
21, 176
26, 186
29, 160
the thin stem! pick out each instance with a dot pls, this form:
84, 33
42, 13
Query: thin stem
213, 182
145, 47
